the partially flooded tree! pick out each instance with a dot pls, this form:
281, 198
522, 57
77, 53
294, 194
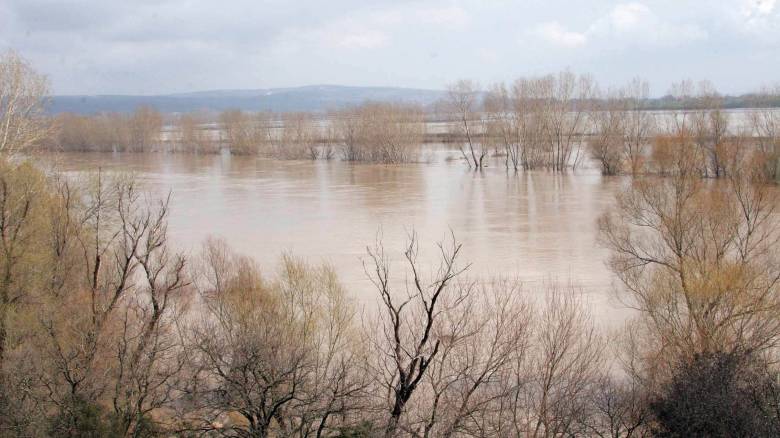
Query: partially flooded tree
622, 129
192, 134
710, 125
145, 128
566, 102
530, 116
462, 104
241, 132
606, 141
639, 124
765, 124
502, 125
299, 138
379, 132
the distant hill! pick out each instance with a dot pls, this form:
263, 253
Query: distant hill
315, 98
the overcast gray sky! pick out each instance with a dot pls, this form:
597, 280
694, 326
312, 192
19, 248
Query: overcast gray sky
165, 46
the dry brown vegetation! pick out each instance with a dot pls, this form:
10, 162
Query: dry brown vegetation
379, 132
190, 133
138, 132
539, 123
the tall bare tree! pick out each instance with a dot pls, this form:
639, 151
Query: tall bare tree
606, 141
639, 124
567, 99
22, 98
409, 323
462, 104
710, 125
765, 124
271, 356
697, 259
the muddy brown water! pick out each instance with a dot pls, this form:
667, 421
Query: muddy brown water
536, 226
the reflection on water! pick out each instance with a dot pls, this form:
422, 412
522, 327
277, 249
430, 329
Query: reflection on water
535, 225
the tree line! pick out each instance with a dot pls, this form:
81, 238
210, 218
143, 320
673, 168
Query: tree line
557, 121
551, 122
371, 132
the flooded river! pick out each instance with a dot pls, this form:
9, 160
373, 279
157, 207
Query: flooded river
536, 226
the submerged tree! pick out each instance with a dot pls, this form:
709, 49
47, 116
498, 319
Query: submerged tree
379, 132
462, 104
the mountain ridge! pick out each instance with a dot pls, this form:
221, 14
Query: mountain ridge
316, 98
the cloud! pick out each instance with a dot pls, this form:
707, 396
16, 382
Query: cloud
758, 7
636, 23
451, 16
554, 33
115, 46
626, 16
632, 23
365, 39
760, 18
370, 28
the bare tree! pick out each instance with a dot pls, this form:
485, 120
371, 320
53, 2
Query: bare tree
765, 124
568, 361
271, 357
502, 125
408, 324
191, 134
119, 351
566, 98
21, 203
710, 125
639, 124
243, 135
606, 143
482, 339
697, 260
379, 132
145, 126
462, 103
22, 97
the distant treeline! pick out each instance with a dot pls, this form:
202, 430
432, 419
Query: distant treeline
371, 132
549, 122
